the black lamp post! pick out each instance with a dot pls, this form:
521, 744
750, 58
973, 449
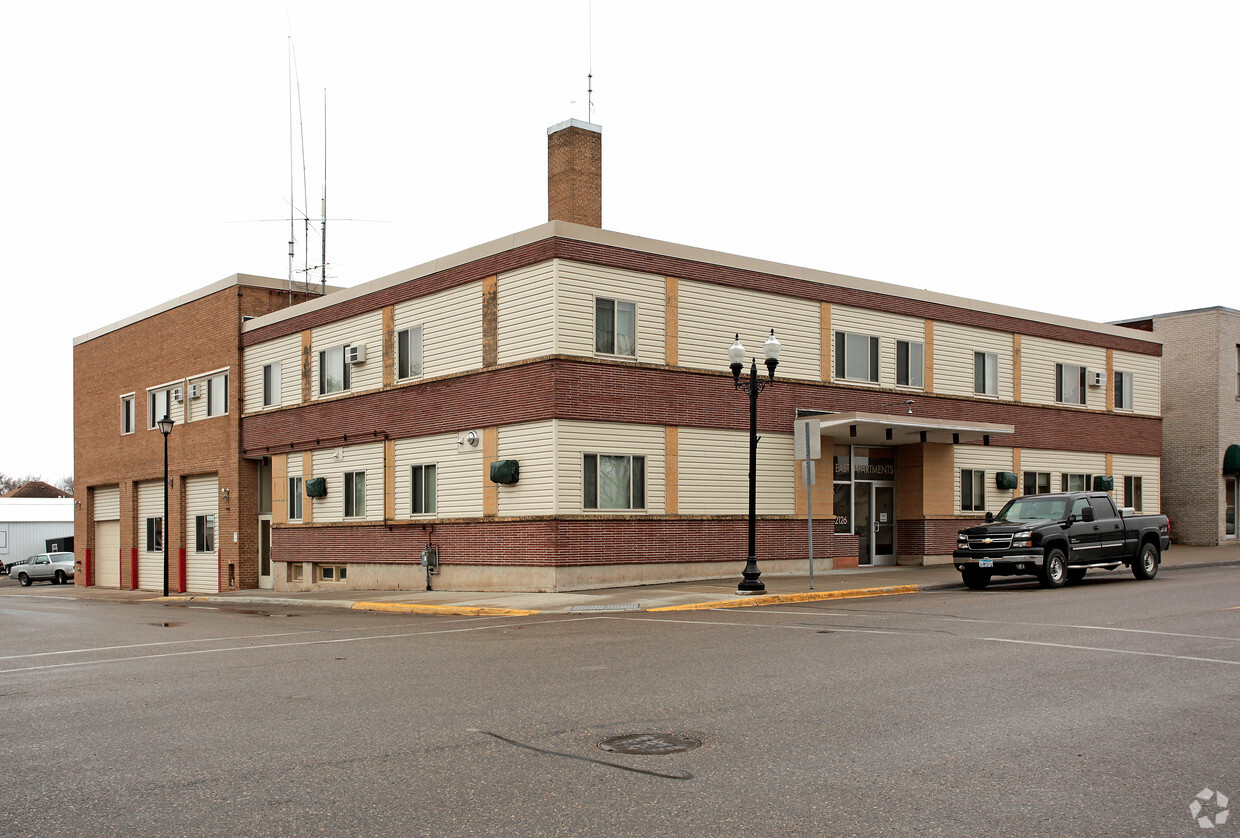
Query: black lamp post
752, 584
165, 428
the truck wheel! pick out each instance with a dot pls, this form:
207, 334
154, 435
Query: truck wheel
1075, 574
976, 579
24, 579
61, 578
1146, 565
1054, 570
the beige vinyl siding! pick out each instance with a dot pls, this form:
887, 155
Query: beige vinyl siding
294, 464
1038, 357
1149, 470
711, 316
888, 328
363, 330
714, 473
525, 313
954, 348
578, 286
451, 322
990, 459
286, 352
197, 407
532, 445
202, 497
332, 463
1061, 462
108, 503
151, 564
1146, 381
459, 475
576, 439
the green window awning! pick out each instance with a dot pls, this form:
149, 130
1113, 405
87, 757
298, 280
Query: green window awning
1231, 460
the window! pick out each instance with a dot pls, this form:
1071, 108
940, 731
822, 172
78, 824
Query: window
986, 373
856, 357
217, 395
423, 480
1123, 391
333, 371
1069, 384
972, 490
355, 494
910, 364
409, 352
271, 384
333, 573
615, 482
154, 535
1037, 482
127, 415
159, 407
1076, 482
615, 327
1133, 493
204, 533
1238, 370
294, 498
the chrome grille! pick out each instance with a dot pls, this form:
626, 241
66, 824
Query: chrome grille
982, 543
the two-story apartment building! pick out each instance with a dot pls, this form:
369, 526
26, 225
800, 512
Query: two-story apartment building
592, 367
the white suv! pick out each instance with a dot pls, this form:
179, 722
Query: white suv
56, 568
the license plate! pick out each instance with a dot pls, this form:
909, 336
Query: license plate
985, 562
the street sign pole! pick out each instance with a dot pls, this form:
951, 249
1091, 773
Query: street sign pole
809, 497
807, 444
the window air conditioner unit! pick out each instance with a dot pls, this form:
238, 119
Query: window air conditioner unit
195, 390
1096, 378
178, 395
355, 354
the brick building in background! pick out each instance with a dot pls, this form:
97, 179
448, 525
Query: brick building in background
1201, 421
594, 366
182, 358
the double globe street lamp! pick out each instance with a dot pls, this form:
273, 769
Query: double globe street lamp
751, 583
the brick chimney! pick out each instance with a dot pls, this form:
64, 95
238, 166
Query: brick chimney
575, 173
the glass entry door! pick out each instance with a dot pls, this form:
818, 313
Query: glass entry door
265, 579
874, 509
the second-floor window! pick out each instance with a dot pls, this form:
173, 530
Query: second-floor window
294, 498
910, 363
217, 395
271, 384
333, 371
615, 327
1069, 384
856, 357
1123, 391
986, 373
355, 494
127, 415
160, 406
409, 352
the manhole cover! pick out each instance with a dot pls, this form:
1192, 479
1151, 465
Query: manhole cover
645, 744
628, 606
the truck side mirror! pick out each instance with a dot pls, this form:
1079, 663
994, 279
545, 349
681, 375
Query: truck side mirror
1087, 514
990, 517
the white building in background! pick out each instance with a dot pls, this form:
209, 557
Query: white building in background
26, 525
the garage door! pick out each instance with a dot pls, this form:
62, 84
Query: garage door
107, 554
202, 573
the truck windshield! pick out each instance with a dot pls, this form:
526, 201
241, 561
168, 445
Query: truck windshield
1033, 509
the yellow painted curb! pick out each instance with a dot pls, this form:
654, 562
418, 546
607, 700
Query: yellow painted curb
457, 610
808, 596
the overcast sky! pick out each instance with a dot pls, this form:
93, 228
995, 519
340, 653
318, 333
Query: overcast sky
1074, 157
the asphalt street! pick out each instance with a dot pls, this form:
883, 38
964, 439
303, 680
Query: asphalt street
1102, 709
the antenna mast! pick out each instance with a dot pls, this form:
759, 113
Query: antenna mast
590, 63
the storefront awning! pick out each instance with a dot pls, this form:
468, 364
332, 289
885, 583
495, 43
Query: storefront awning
1231, 460
904, 429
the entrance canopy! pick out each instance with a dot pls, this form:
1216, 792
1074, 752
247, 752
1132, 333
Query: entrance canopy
1231, 460
904, 429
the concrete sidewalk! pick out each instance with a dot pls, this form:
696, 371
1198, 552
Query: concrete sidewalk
833, 584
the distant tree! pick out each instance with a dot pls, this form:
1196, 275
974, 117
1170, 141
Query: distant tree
65, 484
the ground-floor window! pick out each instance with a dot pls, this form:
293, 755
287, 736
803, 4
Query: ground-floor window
154, 535
1037, 483
614, 482
1133, 494
1231, 506
355, 494
1076, 482
972, 490
423, 484
204, 533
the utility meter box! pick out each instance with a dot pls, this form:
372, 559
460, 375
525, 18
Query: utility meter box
430, 558
316, 487
505, 471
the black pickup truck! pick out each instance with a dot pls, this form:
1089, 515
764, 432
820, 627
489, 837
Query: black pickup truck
1058, 538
